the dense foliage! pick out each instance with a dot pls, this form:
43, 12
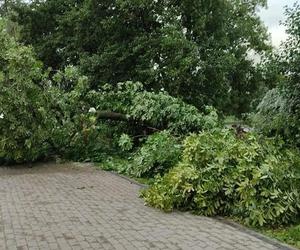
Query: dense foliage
221, 174
24, 109
279, 111
197, 50
57, 113
158, 110
76, 135
160, 152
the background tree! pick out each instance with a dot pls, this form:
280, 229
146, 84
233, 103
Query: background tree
195, 50
279, 111
6, 6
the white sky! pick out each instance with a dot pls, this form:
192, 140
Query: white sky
272, 17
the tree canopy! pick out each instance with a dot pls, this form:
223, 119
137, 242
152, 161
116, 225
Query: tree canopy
279, 111
195, 50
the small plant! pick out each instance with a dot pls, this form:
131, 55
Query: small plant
125, 142
115, 164
175, 190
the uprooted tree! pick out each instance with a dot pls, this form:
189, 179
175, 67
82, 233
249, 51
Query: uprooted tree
42, 112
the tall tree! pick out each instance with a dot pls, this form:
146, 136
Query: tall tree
3, 7
291, 70
196, 50
279, 111
7, 5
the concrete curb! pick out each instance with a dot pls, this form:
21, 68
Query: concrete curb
132, 181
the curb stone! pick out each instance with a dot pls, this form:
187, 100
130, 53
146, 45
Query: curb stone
260, 236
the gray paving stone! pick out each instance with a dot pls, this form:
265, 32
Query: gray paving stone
66, 206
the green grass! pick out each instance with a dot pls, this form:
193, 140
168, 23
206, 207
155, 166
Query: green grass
289, 235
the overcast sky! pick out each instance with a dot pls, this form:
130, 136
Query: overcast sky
272, 17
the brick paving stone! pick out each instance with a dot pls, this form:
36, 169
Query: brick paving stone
74, 206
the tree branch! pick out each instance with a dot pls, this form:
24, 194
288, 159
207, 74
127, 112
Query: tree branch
110, 115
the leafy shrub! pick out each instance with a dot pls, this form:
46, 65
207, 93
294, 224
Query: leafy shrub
175, 190
77, 134
125, 142
90, 141
223, 175
160, 152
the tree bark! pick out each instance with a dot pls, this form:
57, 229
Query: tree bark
110, 115
103, 115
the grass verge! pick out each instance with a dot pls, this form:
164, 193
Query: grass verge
289, 235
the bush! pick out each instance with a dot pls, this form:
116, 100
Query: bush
223, 175
125, 142
128, 110
160, 152
89, 142
78, 134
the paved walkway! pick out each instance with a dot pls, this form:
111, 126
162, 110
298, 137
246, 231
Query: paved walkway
67, 207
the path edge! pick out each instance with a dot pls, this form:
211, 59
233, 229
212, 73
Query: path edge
265, 238
240, 227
